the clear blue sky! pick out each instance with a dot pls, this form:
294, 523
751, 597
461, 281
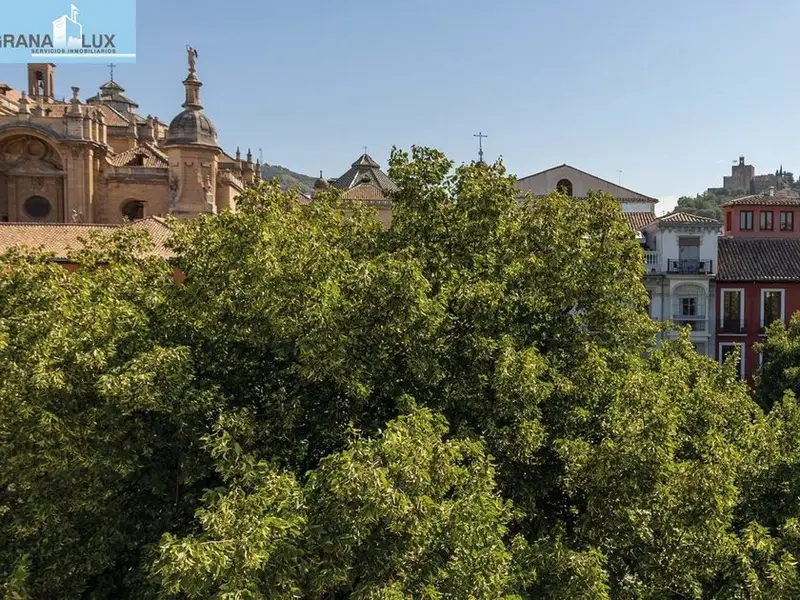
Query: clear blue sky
670, 93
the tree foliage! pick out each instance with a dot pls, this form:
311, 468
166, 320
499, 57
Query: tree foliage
706, 204
467, 404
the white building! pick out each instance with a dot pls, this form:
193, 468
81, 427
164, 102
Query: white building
681, 263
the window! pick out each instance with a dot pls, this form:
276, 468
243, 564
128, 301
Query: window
727, 351
565, 187
689, 306
133, 210
787, 220
771, 307
732, 311
746, 220
37, 207
729, 221
765, 220
689, 248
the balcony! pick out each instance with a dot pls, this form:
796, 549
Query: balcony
652, 262
733, 327
697, 324
690, 266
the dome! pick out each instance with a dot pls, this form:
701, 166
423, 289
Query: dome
321, 184
191, 127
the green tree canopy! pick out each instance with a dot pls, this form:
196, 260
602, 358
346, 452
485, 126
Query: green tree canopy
706, 204
468, 404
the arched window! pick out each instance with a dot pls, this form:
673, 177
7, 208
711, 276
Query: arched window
565, 187
133, 210
37, 207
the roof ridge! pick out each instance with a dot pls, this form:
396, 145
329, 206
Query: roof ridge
675, 213
650, 198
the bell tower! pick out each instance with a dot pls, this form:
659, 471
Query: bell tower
41, 81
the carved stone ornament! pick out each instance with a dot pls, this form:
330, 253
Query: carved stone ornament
174, 186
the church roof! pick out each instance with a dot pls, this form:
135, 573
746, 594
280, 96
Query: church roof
224, 157
365, 160
143, 155
618, 191
111, 91
112, 116
364, 191
365, 170
61, 239
191, 126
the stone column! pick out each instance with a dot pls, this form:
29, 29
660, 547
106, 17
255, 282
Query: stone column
79, 182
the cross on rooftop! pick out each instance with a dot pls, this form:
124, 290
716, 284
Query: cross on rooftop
365, 149
480, 135
111, 67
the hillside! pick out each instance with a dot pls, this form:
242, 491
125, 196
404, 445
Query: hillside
288, 178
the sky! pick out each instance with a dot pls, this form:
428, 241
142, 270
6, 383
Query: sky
661, 96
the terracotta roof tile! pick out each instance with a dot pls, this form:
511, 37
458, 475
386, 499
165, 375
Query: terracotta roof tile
781, 198
159, 233
62, 238
639, 220
767, 259
364, 191
113, 117
682, 217
144, 155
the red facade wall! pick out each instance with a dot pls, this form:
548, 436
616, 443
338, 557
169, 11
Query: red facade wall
731, 221
752, 316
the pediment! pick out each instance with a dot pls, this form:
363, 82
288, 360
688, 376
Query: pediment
544, 182
27, 155
32, 166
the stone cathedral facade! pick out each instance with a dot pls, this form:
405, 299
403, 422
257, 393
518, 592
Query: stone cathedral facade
98, 161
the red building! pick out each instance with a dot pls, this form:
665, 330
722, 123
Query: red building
758, 279
774, 214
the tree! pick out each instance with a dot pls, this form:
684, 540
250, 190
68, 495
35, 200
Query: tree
706, 204
469, 403
407, 514
98, 416
780, 366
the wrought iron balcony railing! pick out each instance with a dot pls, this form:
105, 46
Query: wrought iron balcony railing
733, 326
690, 266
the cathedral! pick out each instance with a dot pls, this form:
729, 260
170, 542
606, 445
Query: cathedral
99, 161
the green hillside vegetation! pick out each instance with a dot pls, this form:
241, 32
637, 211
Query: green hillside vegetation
288, 178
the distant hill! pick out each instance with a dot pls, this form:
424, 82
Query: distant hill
288, 178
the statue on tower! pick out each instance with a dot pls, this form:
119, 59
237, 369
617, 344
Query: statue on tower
192, 53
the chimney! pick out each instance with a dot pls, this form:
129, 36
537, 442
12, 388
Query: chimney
771, 191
